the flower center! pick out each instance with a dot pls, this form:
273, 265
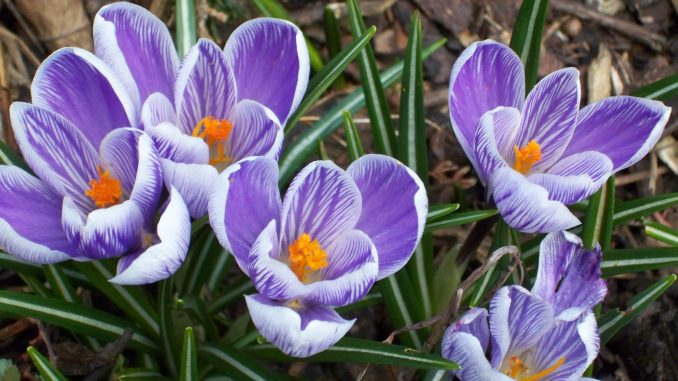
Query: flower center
527, 156
518, 370
215, 132
104, 191
306, 255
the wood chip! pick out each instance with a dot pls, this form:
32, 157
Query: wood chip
599, 76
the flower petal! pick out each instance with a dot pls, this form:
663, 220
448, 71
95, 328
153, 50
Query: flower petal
322, 201
473, 322
352, 269
244, 199
394, 208
623, 128
465, 349
486, 146
55, 150
26, 204
526, 206
271, 64
157, 109
575, 177
174, 145
165, 257
76, 84
568, 275
517, 321
130, 39
256, 131
486, 75
193, 181
550, 115
205, 86
297, 332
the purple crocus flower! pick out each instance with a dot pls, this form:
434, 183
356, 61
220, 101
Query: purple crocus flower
99, 180
218, 106
335, 233
548, 334
539, 154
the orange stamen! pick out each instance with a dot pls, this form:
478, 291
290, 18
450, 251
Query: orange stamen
215, 132
545, 372
104, 191
517, 369
527, 156
306, 255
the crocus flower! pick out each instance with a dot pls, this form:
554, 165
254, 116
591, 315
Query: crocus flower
335, 233
539, 154
98, 181
548, 334
218, 106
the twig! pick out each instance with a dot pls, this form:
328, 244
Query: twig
631, 30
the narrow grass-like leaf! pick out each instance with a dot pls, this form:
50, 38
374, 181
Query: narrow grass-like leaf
133, 300
526, 37
140, 374
377, 106
662, 90
195, 307
610, 323
661, 233
438, 211
234, 292
167, 336
457, 219
189, 358
76, 318
273, 8
625, 261
599, 217
371, 299
9, 157
36, 285
397, 292
325, 77
636, 209
185, 20
46, 370
333, 41
353, 144
202, 257
239, 364
298, 151
350, 350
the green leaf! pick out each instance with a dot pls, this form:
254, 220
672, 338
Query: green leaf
437, 211
201, 258
298, 151
9, 157
636, 209
273, 8
167, 336
325, 77
397, 292
185, 19
610, 323
140, 374
333, 40
623, 261
457, 219
46, 370
73, 317
372, 299
239, 364
377, 106
189, 358
526, 37
599, 217
133, 300
350, 350
9, 372
661, 233
234, 293
353, 144
662, 90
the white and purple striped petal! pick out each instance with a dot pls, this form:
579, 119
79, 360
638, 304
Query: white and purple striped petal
157, 109
466, 350
193, 181
256, 132
174, 145
493, 127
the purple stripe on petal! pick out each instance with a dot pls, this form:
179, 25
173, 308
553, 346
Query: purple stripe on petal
474, 322
351, 272
138, 47
394, 208
163, 259
623, 128
119, 154
493, 125
575, 177
465, 349
193, 181
256, 131
178, 147
271, 64
526, 206
486, 75
297, 332
157, 109
235, 219
550, 115
322, 201
79, 86
205, 86
55, 150
30, 219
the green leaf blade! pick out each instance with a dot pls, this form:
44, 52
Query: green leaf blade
526, 37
